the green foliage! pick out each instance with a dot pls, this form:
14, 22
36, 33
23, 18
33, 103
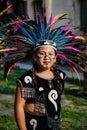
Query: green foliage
9, 86
74, 81
74, 108
7, 103
7, 123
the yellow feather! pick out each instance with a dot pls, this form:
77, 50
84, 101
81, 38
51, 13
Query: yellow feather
5, 10
80, 38
57, 17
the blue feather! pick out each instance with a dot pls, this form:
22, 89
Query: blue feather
26, 33
42, 27
56, 34
63, 42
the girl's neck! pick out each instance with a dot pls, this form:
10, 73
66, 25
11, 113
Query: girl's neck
45, 74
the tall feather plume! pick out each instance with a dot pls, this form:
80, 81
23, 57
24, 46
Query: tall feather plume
19, 37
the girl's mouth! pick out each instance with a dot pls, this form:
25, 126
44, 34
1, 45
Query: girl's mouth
46, 62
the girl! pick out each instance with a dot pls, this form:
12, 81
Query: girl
38, 94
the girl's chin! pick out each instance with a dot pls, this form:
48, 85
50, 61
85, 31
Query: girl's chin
46, 66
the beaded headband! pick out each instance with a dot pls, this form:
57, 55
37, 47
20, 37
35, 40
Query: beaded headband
45, 43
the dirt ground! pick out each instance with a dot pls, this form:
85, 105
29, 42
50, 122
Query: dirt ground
3, 108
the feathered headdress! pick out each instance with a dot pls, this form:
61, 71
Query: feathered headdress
20, 37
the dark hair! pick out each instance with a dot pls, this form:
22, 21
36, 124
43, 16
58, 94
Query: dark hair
59, 84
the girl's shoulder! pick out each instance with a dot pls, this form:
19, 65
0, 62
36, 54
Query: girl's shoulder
25, 78
25, 81
27, 73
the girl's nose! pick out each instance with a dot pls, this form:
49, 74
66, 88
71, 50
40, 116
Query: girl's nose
46, 56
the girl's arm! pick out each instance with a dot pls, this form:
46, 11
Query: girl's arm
19, 109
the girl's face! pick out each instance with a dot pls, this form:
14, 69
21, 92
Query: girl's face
45, 57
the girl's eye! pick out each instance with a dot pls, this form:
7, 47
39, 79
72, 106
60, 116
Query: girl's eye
41, 54
51, 54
